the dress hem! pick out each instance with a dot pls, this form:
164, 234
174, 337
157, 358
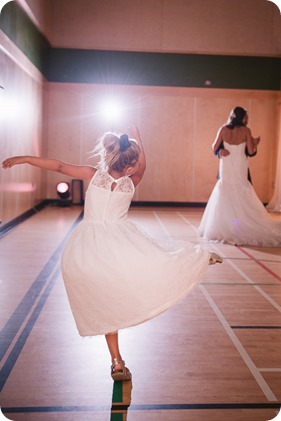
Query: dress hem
152, 315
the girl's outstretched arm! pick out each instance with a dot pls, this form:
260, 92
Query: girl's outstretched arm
85, 172
137, 176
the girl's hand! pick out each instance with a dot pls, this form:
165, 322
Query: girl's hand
133, 130
14, 160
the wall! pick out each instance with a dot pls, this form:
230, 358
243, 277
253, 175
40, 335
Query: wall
178, 123
178, 126
21, 119
178, 120
248, 27
40, 13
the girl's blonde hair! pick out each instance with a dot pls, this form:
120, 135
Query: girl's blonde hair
116, 152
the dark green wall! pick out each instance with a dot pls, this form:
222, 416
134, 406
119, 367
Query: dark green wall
161, 69
15, 23
136, 68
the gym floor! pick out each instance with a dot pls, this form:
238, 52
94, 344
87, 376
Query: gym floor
216, 355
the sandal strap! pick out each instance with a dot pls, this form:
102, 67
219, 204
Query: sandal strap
120, 374
118, 362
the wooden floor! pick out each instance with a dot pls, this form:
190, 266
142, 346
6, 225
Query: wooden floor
214, 356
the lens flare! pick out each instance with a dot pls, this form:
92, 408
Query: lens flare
111, 110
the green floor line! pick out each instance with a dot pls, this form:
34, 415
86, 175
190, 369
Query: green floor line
117, 394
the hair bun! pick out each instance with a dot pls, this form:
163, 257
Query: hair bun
124, 142
239, 113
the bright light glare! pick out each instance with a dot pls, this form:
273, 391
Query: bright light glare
10, 107
112, 111
18, 187
62, 187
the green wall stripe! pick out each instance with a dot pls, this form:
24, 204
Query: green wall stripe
15, 23
162, 69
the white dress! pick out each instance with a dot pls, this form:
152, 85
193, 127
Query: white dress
115, 275
234, 214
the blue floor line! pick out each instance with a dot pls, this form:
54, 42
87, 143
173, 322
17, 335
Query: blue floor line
150, 407
16, 350
14, 323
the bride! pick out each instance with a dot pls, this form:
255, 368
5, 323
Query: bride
234, 214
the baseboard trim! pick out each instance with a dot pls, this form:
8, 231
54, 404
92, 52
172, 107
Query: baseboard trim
4, 229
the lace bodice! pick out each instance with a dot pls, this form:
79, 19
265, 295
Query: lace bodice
105, 181
108, 199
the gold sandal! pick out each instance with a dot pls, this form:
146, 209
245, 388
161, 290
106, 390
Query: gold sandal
215, 258
119, 375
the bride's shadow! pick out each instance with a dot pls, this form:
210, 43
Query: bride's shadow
121, 400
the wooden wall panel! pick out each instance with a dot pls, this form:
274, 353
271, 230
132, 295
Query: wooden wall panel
186, 26
21, 188
178, 126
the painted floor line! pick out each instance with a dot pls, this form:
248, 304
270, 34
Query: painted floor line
144, 407
15, 352
260, 263
250, 281
161, 224
240, 283
25, 321
246, 277
243, 353
255, 327
19, 315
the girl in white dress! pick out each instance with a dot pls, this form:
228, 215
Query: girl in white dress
234, 214
115, 275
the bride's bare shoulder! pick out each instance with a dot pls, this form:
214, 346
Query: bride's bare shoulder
244, 128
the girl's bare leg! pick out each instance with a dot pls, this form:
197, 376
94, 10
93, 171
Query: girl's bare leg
113, 346
118, 370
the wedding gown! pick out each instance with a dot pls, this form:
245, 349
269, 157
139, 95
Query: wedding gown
234, 214
115, 275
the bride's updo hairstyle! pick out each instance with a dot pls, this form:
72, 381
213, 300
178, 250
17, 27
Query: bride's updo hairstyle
236, 118
116, 152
